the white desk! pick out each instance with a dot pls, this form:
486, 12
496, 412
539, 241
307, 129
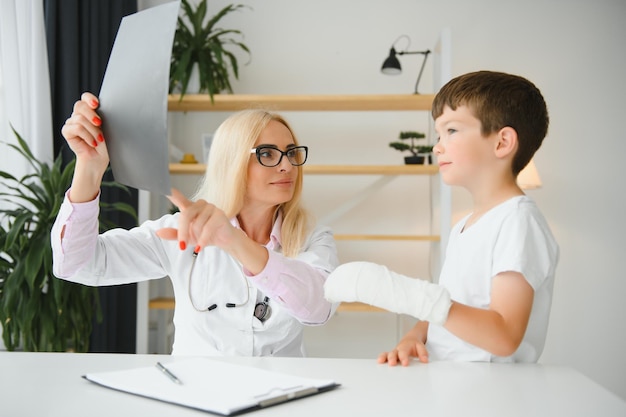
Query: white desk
50, 384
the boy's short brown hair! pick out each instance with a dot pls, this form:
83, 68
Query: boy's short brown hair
499, 100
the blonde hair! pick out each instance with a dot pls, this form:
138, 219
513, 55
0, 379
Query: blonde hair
226, 176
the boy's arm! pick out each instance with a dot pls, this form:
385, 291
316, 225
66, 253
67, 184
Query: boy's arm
500, 328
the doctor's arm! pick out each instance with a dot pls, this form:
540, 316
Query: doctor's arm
84, 137
298, 284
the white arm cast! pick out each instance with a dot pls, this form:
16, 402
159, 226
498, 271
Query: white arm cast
376, 285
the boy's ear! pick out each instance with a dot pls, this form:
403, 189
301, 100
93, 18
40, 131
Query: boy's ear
507, 142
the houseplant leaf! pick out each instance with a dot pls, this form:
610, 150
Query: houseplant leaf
198, 42
418, 152
38, 311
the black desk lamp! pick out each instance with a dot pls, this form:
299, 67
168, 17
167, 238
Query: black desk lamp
392, 66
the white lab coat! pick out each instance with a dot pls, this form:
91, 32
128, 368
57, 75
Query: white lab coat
295, 286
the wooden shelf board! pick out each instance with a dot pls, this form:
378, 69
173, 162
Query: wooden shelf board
432, 238
189, 169
358, 307
161, 303
371, 169
199, 169
167, 303
367, 102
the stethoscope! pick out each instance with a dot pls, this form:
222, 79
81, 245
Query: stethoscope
262, 310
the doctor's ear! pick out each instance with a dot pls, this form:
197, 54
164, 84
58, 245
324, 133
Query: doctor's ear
507, 142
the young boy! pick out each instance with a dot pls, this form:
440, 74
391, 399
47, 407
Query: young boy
493, 299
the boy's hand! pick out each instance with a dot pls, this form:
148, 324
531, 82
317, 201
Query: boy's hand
406, 349
412, 345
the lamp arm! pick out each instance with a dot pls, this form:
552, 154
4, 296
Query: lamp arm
425, 53
414, 52
419, 77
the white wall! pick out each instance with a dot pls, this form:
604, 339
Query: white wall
572, 49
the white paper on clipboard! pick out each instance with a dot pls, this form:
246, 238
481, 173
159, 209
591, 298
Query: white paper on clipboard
232, 389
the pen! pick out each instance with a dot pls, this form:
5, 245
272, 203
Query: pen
168, 373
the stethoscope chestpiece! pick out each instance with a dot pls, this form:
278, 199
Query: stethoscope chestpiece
262, 310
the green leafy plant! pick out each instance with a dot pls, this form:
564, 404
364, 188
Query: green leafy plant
205, 45
39, 312
413, 147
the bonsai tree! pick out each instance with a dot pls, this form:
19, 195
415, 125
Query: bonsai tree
204, 45
416, 149
39, 312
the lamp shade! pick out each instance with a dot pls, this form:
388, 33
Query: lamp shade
391, 66
528, 178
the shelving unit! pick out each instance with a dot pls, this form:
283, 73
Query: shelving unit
386, 102
335, 103
227, 103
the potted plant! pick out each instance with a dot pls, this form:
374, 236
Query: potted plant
39, 312
203, 46
418, 152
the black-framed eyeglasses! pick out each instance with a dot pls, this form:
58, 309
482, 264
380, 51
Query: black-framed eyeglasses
270, 156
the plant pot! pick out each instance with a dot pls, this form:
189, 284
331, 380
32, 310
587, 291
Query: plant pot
193, 87
2, 346
414, 160
194, 81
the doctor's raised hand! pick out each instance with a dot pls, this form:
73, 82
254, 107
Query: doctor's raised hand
246, 263
83, 134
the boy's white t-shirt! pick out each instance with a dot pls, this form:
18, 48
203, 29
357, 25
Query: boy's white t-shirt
513, 236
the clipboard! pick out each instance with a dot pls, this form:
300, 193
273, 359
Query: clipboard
213, 386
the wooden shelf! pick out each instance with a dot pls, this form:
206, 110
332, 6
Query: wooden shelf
188, 169
371, 169
234, 102
198, 169
161, 303
431, 238
166, 303
358, 307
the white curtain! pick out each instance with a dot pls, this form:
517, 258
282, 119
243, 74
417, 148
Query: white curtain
24, 83
24, 86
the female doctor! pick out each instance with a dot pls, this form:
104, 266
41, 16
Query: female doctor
246, 266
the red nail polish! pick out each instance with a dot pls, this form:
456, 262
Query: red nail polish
182, 245
197, 249
100, 137
94, 103
95, 143
96, 121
